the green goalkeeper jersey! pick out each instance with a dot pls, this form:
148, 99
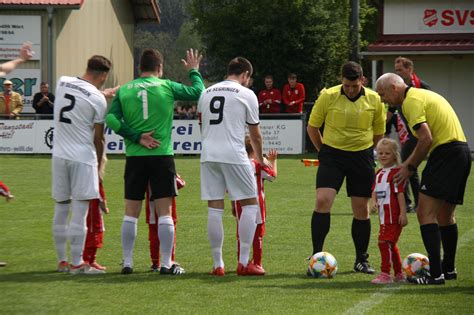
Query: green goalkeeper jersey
147, 104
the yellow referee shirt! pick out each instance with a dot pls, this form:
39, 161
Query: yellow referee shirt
348, 126
427, 106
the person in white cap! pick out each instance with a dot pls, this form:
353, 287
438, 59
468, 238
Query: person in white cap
11, 103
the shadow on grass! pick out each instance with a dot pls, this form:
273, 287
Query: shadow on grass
272, 281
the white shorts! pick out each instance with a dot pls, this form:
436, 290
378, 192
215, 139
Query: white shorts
74, 179
237, 179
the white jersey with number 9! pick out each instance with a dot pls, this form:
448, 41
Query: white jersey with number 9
225, 109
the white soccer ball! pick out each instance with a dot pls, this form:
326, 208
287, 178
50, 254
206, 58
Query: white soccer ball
416, 265
322, 265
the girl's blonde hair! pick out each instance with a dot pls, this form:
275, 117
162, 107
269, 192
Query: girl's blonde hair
393, 147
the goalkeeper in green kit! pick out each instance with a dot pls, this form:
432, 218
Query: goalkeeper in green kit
142, 113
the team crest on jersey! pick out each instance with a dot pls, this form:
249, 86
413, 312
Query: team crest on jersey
48, 137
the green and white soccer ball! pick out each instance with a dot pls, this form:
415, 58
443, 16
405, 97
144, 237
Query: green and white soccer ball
322, 265
416, 265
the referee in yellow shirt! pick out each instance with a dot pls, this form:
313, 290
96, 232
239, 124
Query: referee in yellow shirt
354, 120
434, 122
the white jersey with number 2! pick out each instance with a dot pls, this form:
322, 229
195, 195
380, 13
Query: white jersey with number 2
225, 109
78, 106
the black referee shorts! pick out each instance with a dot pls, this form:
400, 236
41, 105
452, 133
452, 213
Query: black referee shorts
356, 167
446, 172
159, 171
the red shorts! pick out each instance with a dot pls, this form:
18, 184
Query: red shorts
390, 232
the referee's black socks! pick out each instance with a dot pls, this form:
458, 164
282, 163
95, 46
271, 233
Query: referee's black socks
320, 224
449, 238
432, 239
361, 238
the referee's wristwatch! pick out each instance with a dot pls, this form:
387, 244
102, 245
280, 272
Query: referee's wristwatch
411, 168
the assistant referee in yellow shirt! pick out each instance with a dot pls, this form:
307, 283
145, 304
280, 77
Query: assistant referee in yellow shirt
443, 183
354, 121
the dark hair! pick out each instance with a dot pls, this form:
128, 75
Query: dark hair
239, 65
151, 60
292, 76
98, 64
352, 71
269, 76
407, 63
43, 83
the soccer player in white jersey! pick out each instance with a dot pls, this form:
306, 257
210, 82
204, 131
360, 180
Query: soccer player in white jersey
79, 111
224, 109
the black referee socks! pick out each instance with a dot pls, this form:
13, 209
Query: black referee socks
320, 224
432, 239
449, 238
361, 238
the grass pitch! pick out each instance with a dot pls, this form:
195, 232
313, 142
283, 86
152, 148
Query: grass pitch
29, 283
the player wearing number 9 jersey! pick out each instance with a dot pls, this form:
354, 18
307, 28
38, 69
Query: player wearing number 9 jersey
143, 108
225, 108
77, 153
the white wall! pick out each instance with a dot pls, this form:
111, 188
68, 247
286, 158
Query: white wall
452, 77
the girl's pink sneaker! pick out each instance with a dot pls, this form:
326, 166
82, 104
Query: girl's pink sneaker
382, 278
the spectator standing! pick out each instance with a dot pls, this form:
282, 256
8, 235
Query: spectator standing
269, 99
43, 101
294, 95
11, 103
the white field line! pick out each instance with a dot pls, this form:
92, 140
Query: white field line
366, 305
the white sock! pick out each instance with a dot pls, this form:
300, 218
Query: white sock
129, 234
61, 212
166, 237
77, 230
247, 226
215, 233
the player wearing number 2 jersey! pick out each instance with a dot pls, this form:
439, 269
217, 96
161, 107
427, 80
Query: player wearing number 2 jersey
225, 108
78, 148
142, 112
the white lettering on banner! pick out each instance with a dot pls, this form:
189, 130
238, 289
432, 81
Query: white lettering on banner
37, 136
428, 17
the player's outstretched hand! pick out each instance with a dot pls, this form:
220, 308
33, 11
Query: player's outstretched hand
110, 92
147, 140
25, 51
193, 59
272, 155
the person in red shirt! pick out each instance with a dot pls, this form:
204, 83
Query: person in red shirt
293, 95
269, 100
262, 173
152, 221
390, 200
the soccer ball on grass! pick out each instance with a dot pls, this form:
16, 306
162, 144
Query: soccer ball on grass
322, 265
416, 265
